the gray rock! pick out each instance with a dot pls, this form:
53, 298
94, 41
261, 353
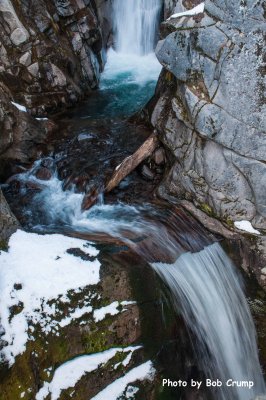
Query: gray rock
8, 222
25, 59
19, 36
214, 121
34, 69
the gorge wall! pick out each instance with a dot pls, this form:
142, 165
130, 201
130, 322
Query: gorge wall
210, 109
51, 55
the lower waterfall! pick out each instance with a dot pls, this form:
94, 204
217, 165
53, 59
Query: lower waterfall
206, 289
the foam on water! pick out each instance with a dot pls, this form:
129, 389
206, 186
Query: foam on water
124, 69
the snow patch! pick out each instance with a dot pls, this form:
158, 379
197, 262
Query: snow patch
246, 226
78, 313
35, 270
131, 391
194, 11
111, 309
117, 388
19, 107
69, 373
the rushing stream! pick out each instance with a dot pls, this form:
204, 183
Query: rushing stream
204, 284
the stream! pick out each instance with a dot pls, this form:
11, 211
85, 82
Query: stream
204, 286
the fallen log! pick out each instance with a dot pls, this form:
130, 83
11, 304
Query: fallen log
130, 163
124, 169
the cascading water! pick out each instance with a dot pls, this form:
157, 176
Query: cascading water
132, 69
204, 285
136, 25
207, 291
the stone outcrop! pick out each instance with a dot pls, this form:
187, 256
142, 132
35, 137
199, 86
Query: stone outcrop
210, 110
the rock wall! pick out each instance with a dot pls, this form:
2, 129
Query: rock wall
51, 51
210, 108
51, 55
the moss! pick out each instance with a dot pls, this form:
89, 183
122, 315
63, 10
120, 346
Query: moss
207, 209
229, 222
95, 342
3, 245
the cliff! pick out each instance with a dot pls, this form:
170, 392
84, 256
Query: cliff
210, 110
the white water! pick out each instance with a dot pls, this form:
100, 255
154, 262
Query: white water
206, 289
132, 69
136, 25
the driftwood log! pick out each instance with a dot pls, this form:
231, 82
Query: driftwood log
124, 169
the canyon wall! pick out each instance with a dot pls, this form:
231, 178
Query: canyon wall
51, 55
210, 108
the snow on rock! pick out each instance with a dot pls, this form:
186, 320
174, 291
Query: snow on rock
37, 269
117, 388
69, 373
246, 226
194, 11
111, 309
131, 391
78, 313
19, 107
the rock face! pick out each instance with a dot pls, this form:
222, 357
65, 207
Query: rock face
210, 109
20, 134
52, 52
51, 55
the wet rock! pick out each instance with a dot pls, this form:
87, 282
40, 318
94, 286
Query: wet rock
20, 134
48, 163
147, 173
8, 222
159, 156
43, 174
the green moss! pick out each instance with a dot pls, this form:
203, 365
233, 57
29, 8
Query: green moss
207, 209
95, 342
229, 222
3, 245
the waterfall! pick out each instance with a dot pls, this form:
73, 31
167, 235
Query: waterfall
136, 24
206, 289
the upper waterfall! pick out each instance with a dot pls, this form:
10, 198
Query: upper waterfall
136, 23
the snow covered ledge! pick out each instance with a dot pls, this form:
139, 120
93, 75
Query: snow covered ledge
194, 11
